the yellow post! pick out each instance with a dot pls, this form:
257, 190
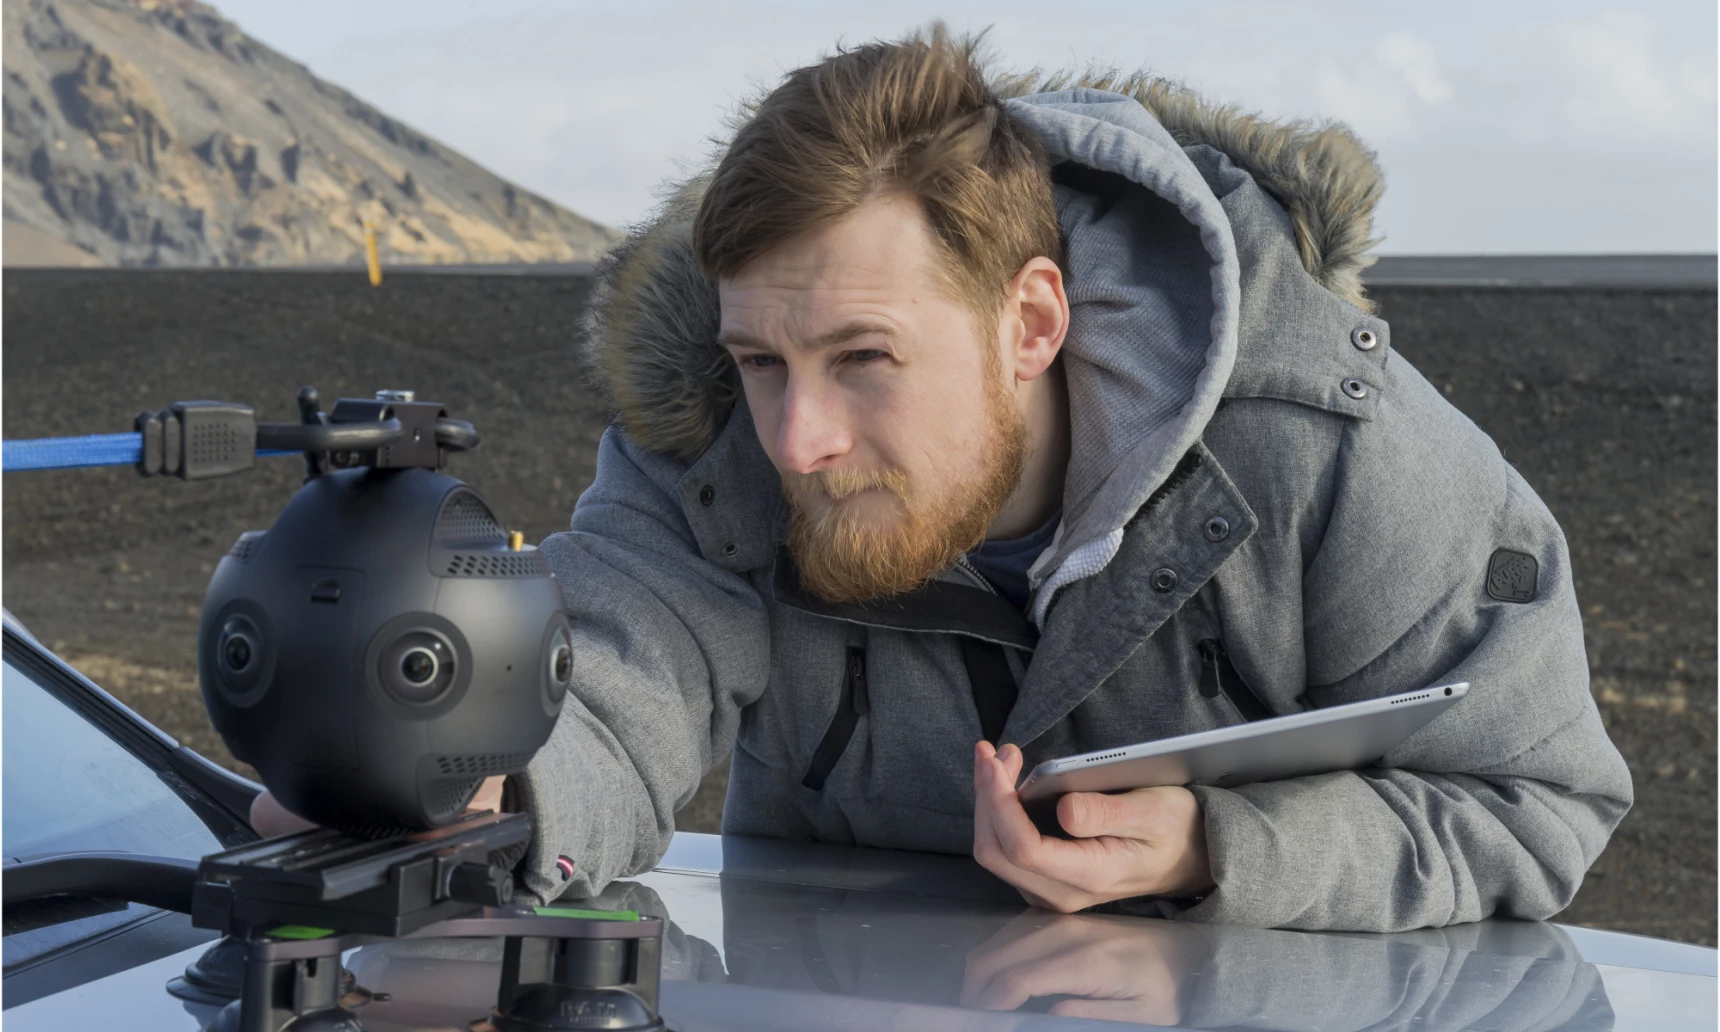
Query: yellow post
370, 255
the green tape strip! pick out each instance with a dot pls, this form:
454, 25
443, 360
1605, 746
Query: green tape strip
589, 915
300, 932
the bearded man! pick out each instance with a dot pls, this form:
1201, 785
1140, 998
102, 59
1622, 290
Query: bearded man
966, 424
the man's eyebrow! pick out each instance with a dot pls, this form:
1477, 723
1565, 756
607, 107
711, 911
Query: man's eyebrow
841, 335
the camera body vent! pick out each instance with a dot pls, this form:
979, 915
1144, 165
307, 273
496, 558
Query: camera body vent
482, 766
496, 564
465, 519
247, 545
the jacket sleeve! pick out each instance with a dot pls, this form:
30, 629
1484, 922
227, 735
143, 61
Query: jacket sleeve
668, 648
1437, 564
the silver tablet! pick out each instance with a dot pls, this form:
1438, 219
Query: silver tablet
1334, 738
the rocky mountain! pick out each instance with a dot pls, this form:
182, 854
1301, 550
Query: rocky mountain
155, 132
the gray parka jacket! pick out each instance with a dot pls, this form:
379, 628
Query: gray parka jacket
1266, 510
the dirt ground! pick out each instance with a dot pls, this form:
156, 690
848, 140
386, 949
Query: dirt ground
1605, 401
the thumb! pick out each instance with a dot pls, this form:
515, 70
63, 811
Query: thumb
1090, 814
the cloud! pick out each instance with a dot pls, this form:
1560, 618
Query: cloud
1533, 127
1418, 63
1591, 133
1382, 94
1614, 72
1585, 133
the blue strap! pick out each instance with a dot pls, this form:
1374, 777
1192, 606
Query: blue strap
72, 452
79, 452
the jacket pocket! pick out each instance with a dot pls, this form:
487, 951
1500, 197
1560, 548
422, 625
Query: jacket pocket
850, 707
1218, 676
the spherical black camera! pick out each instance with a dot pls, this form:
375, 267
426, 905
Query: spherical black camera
382, 649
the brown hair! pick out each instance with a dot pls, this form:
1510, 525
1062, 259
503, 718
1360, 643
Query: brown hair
914, 117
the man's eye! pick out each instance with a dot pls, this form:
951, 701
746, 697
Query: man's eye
866, 354
757, 361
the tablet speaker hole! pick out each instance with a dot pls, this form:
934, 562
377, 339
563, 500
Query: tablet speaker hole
1415, 698
1101, 759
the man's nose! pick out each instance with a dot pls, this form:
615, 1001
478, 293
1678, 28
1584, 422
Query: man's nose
813, 432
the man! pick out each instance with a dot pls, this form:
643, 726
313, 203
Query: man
960, 433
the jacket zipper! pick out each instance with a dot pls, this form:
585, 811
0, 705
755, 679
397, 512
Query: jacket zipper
853, 704
1185, 468
1218, 676
973, 571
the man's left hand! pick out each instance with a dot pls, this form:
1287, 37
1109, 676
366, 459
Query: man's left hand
269, 818
1148, 842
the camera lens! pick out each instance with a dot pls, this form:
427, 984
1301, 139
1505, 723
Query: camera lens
560, 670
237, 653
238, 645
417, 667
236, 659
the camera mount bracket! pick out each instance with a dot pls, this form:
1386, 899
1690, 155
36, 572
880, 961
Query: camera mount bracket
290, 906
199, 440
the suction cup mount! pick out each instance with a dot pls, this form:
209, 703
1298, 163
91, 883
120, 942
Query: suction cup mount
290, 906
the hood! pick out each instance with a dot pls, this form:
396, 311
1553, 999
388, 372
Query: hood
1153, 282
1154, 286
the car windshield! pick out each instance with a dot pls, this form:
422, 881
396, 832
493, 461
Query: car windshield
69, 787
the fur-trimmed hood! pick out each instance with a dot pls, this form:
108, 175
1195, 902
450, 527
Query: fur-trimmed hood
650, 335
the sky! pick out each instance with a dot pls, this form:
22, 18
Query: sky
1510, 126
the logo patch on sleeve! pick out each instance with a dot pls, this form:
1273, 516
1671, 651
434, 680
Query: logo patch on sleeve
1512, 576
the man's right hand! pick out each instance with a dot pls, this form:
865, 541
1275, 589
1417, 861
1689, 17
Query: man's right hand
269, 818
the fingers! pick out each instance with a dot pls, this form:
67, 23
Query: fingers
1150, 814
985, 847
1029, 937
1007, 844
1067, 971
1091, 814
270, 819
1021, 842
1096, 957
994, 798
1149, 841
1163, 826
1041, 902
488, 796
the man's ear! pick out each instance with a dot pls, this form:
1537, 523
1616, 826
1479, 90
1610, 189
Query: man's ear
1039, 310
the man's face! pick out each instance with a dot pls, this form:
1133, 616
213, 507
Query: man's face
882, 404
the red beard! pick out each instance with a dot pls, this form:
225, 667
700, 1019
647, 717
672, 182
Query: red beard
843, 557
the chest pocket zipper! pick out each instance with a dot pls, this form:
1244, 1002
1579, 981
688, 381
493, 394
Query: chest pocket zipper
1218, 676
853, 705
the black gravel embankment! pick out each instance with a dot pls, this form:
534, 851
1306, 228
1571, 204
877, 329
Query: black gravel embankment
1605, 400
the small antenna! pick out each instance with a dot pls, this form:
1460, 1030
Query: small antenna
370, 257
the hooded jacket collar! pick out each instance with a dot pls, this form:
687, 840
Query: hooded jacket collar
1154, 293
651, 328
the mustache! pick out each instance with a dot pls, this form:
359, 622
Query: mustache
843, 483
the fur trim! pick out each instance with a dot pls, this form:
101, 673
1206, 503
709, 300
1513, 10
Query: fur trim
651, 328
650, 334
1327, 181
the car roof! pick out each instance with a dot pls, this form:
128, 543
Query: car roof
768, 934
